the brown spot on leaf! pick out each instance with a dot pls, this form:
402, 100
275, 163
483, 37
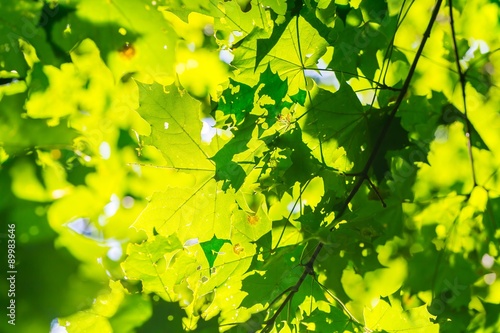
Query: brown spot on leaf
128, 51
252, 219
237, 248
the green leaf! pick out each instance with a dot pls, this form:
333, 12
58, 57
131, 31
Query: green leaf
252, 224
211, 249
12, 31
132, 313
36, 131
83, 322
395, 139
322, 321
337, 120
249, 108
197, 212
289, 64
391, 317
330, 182
237, 100
175, 126
148, 262
127, 33
111, 312
273, 277
304, 164
451, 114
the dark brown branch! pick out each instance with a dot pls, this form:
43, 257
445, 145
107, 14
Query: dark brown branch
375, 189
310, 263
308, 270
395, 108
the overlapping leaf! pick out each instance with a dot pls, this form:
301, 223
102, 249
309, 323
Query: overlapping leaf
254, 115
236, 227
338, 120
303, 45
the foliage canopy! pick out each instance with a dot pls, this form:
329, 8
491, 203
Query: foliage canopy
252, 165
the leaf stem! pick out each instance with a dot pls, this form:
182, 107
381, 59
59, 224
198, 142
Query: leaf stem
351, 316
461, 76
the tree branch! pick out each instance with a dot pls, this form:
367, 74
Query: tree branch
310, 263
308, 270
395, 108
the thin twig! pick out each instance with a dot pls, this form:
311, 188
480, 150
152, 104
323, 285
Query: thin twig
342, 305
461, 76
375, 189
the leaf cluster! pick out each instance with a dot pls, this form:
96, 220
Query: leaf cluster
255, 165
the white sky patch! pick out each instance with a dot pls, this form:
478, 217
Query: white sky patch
225, 55
208, 30
490, 278
294, 207
416, 43
128, 202
56, 328
85, 227
191, 242
487, 261
441, 134
165, 125
11, 82
323, 76
59, 193
191, 47
112, 207
115, 251
137, 169
105, 150
82, 226
480, 45
233, 35
102, 220
366, 97
208, 131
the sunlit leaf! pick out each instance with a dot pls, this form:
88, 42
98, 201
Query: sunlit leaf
250, 165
